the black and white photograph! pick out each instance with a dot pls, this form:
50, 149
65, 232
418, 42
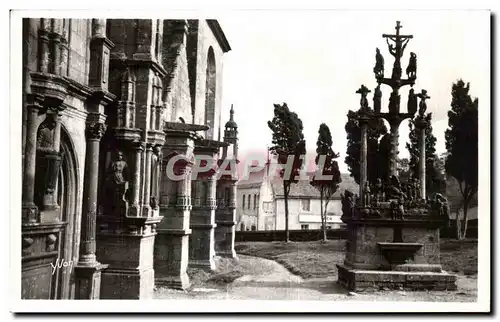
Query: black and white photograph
250, 161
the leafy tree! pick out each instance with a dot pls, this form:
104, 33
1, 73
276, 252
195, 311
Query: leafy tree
288, 140
461, 144
325, 162
376, 164
434, 179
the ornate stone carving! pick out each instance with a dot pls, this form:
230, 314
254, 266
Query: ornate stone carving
363, 90
45, 137
95, 130
51, 242
411, 70
116, 186
423, 105
26, 245
379, 65
412, 102
347, 203
377, 99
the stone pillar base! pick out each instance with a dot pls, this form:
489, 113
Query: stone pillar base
224, 239
130, 274
88, 281
131, 284
202, 246
171, 255
361, 280
180, 282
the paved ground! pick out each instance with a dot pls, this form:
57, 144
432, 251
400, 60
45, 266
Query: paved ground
267, 280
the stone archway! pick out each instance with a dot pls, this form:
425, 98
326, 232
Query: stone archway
70, 214
210, 94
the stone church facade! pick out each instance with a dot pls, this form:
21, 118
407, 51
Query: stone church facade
106, 104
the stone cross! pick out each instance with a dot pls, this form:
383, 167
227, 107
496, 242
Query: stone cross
363, 90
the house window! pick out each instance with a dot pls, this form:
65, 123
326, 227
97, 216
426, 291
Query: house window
304, 227
243, 204
249, 201
306, 204
254, 202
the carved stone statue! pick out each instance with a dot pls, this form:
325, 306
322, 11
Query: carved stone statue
379, 64
45, 137
397, 209
116, 202
363, 90
394, 101
378, 190
367, 194
411, 70
441, 205
377, 99
347, 203
412, 102
394, 190
423, 105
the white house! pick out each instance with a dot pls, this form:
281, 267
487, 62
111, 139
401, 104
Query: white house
261, 204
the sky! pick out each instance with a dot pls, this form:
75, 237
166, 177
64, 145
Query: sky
316, 60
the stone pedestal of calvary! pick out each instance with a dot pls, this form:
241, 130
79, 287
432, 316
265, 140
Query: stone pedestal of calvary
393, 229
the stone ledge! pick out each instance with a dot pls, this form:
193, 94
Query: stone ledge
360, 280
176, 232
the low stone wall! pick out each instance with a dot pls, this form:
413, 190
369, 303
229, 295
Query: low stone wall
295, 235
317, 234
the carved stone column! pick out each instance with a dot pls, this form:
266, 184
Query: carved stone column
172, 244
363, 170
202, 224
30, 210
88, 269
135, 209
421, 124
147, 181
225, 219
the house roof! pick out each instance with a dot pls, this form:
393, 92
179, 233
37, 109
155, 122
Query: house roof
303, 188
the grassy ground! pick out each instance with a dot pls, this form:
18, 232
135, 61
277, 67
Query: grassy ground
318, 259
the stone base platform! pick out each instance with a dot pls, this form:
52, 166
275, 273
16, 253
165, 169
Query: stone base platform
175, 282
361, 280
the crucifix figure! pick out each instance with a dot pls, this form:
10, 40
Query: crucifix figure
363, 90
423, 105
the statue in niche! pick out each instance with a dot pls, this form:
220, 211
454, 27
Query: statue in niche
379, 64
116, 201
377, 99
411, 70
45, 137
48, 164
412, 102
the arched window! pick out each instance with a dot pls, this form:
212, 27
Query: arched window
254, 202
243, 203
210, 91
249, 200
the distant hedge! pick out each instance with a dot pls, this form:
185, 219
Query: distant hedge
295, 235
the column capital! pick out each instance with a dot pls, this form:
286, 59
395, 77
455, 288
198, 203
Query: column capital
95, 130
139, 146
